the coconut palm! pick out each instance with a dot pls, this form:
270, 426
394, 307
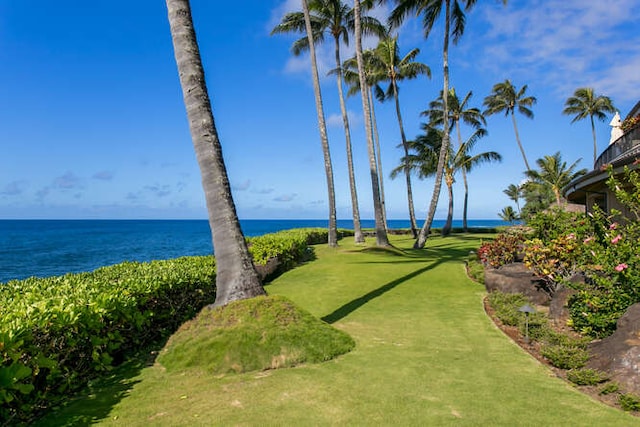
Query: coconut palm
236, 278
508, 214
555, 174
506, 98
454, 25
585, 103
514, 192
427, 148
458, 111
387, 65
335, 18
381, 232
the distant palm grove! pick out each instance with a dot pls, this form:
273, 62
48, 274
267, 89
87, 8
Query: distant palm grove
453, 126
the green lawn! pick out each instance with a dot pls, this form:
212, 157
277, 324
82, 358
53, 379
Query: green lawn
426, 354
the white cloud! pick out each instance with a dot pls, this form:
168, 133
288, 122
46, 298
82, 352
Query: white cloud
335, 119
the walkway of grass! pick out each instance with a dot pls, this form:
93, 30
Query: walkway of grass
426, 355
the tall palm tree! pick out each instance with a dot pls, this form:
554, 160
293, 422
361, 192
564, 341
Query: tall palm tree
427, 148
352, 79
322, 127
514, 192
454, 25
585, 103
381, 232
335, 18
508, 214
236, 278
506, 98
458, 111
555, 174
387, 65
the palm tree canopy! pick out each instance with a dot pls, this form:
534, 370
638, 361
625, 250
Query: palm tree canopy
508, 214
506, 98
554, 172
514, 192
430, 11
458, 111
584, 103
387, 65
327, 17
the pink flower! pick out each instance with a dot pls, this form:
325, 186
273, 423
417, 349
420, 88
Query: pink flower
613, 226
616, 239
621, 267
587, 240
571, 236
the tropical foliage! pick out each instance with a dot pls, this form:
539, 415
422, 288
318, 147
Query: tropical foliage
554, 173
585, 103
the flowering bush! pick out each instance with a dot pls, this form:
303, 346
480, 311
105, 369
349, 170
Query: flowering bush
630, 123
606, 251
502, 250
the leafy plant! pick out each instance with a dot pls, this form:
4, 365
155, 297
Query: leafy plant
565, 357
586, 376
629, 402
609, 388
502, 250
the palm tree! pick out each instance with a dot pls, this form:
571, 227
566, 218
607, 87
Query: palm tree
454, 16
505, 97
335, 18
381, 232
427, 148
236, 278
514, 192
508, 214
458, 111
585, 103
555, 174
387, 65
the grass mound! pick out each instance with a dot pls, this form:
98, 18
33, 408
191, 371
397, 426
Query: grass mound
255, 334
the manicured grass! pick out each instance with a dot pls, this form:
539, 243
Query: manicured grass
426, 354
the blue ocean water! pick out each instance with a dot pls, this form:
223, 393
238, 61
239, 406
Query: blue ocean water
54, 247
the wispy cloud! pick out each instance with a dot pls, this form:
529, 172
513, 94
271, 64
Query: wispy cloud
335, 119
243, 186
68, 181
103, 176
158, 190
285, 197
567, 43
14, 188
263, 191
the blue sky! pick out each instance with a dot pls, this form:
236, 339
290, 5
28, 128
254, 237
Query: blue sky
92, 123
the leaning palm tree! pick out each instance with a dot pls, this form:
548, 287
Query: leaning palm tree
514, 192
236, 278
555, 174
585, 103
335, 18
381, 232
387, 65
506, 98
454, 24
459, 111
427, 148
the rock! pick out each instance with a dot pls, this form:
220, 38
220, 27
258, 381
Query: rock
558, 310
619, 354
269, 269
516, 278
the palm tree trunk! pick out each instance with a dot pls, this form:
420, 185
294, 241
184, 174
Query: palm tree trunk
376, 135
446, 230
333, 231
236, 277
595, 147
357, 231
381, 232
464, 180
407, 173
515, 129
444, 149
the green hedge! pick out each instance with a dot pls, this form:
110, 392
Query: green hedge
56, 333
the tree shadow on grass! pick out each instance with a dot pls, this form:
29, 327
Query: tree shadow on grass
95, 402
355, 304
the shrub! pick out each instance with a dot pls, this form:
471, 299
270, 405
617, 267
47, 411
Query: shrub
586, 376
629, 402
475, 269
506, 307
565, 357
611, 387
502, 250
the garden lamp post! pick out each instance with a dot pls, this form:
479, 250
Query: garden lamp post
526, 309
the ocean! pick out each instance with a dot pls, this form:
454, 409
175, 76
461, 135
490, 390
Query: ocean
45, 248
